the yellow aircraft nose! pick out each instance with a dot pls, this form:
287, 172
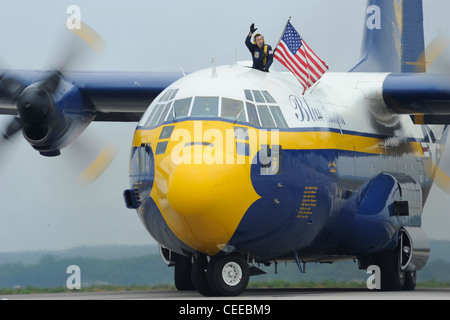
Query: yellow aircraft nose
204, 202
199, 189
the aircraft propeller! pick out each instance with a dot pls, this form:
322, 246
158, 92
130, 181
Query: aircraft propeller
436, 61
35, 104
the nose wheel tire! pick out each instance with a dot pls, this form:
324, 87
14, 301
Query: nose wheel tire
182, 273
228, 275
198, 275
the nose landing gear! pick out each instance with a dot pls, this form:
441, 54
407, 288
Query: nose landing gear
226, 275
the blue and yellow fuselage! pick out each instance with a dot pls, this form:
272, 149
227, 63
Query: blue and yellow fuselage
214, 184
232, 205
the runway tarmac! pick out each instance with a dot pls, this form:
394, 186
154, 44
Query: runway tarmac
250, 294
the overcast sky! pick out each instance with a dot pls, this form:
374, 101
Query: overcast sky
41, 204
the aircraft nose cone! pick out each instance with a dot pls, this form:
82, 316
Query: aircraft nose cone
204, 203
191, 191
199, 189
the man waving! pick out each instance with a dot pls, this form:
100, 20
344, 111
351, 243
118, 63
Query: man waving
262, 54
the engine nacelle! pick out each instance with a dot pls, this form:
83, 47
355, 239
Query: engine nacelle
383, 206
51, 120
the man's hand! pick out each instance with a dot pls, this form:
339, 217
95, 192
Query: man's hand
252, 28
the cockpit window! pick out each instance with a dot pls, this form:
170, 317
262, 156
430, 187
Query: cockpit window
165, 111
252, 115
266, 118
258, 96
259, 109
154, 116
269, 98
158, 114
278, 117
266, 111
180, 108
172, 94
248, 95
169, 95
205, 107
233, 109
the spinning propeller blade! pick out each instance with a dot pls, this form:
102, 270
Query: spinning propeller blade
34, 103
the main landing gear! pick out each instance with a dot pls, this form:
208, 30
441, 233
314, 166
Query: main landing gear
223, 275
398, 266
393, 266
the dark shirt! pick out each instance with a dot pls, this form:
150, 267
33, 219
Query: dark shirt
258, 55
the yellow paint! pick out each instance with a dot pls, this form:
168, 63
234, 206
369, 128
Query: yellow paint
202, 190
309, 202
432, 52
419, 118
100, 164
398, 8
203, 204
397, 26
338, 141
90, 36
203, 187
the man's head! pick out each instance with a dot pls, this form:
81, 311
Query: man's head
259, 40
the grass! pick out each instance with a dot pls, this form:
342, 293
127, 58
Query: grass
91, 288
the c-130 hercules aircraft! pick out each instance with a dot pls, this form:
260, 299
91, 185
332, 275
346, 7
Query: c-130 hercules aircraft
232, 167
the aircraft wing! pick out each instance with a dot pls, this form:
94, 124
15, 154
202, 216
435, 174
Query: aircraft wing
110, 96
52, 109
424, 96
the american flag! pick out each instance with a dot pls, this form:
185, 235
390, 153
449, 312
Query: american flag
293, 52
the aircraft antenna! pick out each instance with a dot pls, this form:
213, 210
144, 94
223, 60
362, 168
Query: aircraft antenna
214, 73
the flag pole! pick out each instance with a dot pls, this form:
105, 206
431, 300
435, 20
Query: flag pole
285, 26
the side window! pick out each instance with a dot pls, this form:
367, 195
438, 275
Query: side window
145, 158
134, 163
